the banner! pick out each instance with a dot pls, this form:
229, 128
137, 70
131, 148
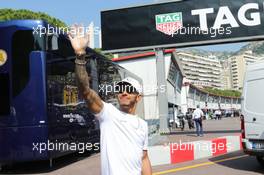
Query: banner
182, 23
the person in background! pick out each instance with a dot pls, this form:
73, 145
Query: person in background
198, 118
181, 119
189, 119
218, 114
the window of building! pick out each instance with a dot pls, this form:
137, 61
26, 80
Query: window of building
179, 81
191, 93
172, 77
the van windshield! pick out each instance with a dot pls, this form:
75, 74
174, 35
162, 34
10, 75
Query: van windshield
254, 91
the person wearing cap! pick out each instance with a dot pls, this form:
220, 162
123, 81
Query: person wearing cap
124, 136
198, 119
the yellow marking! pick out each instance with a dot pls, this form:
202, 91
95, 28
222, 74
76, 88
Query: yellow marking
198, 165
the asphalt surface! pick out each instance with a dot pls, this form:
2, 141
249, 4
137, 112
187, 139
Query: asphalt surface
229, 164
212, 129
89, 164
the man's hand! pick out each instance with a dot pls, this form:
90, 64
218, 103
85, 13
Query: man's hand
79, 39
146, 166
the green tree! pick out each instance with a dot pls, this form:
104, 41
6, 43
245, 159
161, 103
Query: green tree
11, 14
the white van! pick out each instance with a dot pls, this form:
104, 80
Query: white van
252, 120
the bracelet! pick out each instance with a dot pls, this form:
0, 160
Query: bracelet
80, 62
81, 57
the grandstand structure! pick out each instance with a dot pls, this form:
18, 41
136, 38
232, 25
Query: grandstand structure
191, 96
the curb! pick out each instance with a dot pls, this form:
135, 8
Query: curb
181, 152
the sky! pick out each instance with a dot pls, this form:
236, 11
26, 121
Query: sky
74, 11
85, 11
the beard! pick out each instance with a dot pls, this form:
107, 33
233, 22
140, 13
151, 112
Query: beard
127, 104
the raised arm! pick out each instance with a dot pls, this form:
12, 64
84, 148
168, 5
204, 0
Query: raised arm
79, 42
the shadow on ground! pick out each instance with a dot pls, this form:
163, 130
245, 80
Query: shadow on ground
251, 164
43, 166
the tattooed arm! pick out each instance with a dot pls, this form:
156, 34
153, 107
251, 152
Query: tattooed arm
79, 43
93, 101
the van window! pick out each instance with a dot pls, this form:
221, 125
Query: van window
254, 91
4, 95
22, 45
62, 88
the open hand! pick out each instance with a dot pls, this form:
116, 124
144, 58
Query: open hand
79, 38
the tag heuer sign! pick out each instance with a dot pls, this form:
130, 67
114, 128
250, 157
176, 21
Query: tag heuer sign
3, 57
152, 26
169, 23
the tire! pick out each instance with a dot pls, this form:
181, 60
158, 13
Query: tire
260, 160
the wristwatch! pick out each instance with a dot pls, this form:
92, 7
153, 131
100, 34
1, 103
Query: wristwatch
80, 59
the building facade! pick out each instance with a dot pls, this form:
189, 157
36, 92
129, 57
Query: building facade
201, 71
225, 77
238, 68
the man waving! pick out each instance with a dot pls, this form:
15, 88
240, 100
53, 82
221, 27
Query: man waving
124, 136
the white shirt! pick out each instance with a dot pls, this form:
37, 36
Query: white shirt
217, 112
197, 113
123, 139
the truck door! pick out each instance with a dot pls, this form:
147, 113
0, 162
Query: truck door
253, 108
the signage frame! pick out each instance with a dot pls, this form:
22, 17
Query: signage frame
185, 44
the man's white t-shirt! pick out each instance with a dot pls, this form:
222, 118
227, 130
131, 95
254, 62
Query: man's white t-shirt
123, 139
197, 113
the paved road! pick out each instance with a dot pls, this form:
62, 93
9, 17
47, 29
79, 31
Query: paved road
90, 164
230, 164
68, 165
212, 129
